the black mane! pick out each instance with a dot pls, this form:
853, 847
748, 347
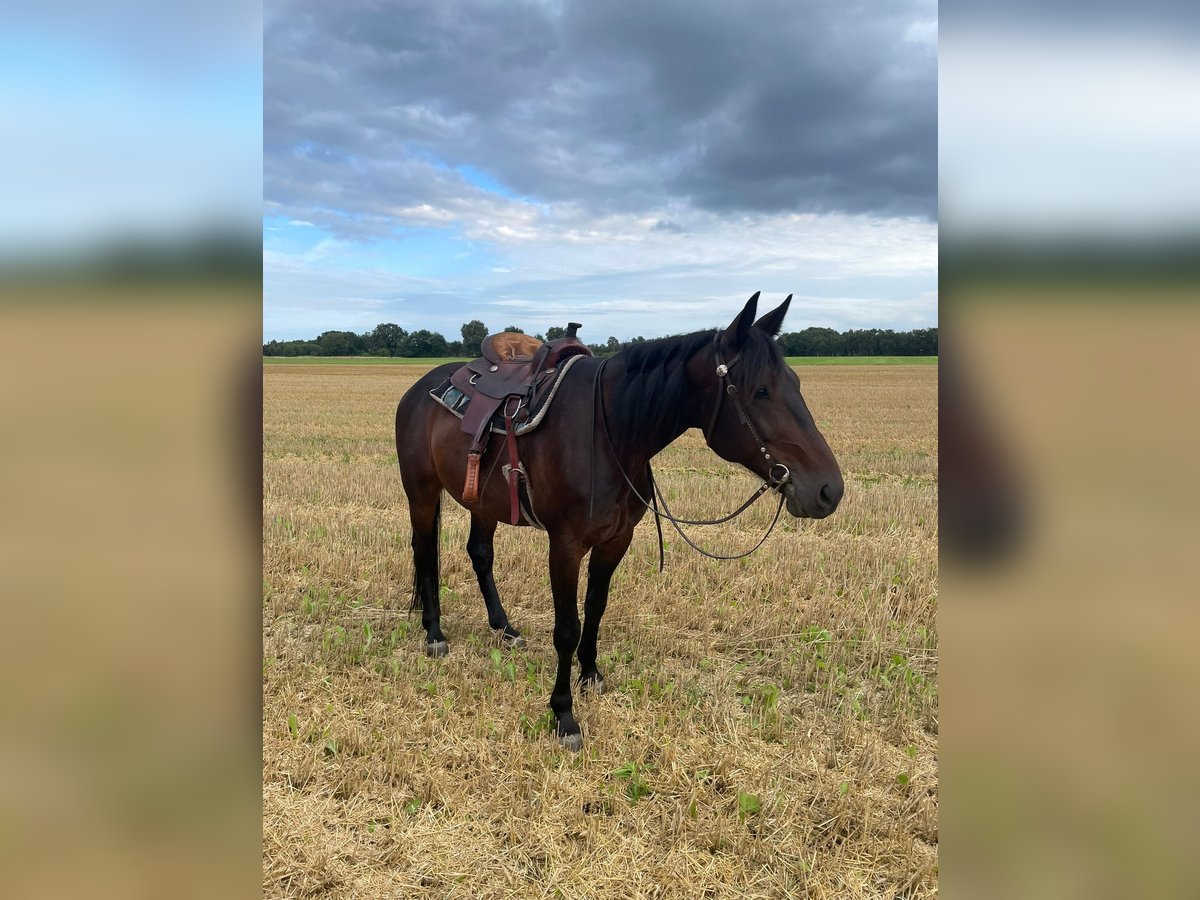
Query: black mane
653, 397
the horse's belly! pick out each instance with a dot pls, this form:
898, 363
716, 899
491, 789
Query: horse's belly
449, 448
556, 475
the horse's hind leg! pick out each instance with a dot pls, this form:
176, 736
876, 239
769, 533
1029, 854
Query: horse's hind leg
603, 562
426, 514
479, 548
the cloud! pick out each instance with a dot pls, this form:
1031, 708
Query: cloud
615, 107
627, 278
1113, 156
615, 161
667, 225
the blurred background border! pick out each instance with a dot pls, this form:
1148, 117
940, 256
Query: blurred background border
131, 283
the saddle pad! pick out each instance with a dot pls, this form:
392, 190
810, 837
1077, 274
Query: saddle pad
457, 402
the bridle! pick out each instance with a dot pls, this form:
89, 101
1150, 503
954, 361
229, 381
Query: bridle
726, 388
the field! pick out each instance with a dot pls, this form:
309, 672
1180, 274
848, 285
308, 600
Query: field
426, 362
770, 728
431, 361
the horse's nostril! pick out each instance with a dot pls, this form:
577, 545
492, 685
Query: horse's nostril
829, 494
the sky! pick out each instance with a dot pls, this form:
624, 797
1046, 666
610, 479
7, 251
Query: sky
1059, 127
640, 168
137, 119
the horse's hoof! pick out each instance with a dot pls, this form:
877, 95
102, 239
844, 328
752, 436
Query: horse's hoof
592, 685
436, 648
514, 640
572, 742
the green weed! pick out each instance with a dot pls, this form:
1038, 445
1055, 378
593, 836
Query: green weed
635, 786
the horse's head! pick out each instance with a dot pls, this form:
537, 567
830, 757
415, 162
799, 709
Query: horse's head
755, 415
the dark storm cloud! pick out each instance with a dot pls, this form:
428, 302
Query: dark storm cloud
615, 106
1082, 17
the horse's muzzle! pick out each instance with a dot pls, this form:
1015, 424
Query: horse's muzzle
805, 503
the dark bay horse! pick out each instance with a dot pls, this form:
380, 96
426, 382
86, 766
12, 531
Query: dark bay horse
592, 453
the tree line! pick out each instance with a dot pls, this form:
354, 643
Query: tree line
391, 340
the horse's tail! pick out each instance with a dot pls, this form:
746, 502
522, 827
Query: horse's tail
437, 530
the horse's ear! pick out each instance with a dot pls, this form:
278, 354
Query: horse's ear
739, 328
772, 322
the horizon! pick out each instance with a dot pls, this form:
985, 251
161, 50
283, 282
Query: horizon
582, 337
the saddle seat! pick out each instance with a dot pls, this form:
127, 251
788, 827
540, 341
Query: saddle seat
509, 346
507, 390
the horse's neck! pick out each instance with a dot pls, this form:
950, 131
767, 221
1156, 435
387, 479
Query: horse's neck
637, 443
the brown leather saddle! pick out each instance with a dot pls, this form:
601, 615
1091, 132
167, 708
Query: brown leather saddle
507, 390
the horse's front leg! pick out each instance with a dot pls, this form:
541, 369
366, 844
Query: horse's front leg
604, 561
565, 556
479, 548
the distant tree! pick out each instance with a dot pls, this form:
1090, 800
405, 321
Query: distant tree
925, 342
290, 348
390, 339
425, 343
860, 342
811, 342
386, 340
513, 329
338, 343
473, 333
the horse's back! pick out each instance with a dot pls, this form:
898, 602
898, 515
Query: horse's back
428, 382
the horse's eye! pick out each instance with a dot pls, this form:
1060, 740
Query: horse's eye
761, 394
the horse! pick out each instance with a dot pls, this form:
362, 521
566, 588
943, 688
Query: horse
588, 469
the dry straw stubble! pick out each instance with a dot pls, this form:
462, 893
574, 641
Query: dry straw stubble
770, 727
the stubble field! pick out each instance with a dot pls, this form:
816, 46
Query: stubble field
770, 726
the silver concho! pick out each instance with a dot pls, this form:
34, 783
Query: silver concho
722, 370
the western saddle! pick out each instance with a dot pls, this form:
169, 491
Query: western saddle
508, 390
